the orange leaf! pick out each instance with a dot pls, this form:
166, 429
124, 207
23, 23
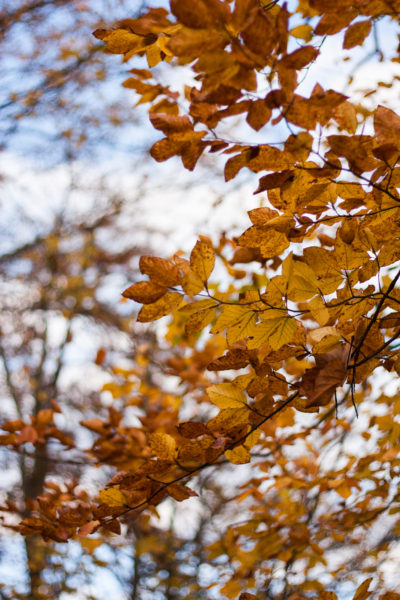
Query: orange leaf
300, 58
160, 270
88, 528
145, 292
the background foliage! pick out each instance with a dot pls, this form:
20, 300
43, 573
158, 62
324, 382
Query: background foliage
269, 400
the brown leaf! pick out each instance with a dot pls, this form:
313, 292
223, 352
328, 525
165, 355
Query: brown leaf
258, 115
362, 591
356, 34
233, 359
180, 492
387, 126
192, 430
202, 15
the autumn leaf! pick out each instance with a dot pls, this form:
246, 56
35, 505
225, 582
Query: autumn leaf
356, 34
145, 292
161, 271
362, 590
163, 445
112, 497
226, 395
160, 308
202, 260
238, 456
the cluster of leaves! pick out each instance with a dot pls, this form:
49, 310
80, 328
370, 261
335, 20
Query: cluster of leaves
309, 317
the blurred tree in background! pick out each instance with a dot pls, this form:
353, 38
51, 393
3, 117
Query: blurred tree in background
271, 389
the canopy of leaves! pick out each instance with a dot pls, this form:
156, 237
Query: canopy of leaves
277, 336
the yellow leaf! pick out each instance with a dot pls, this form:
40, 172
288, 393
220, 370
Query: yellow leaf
192, 284
199, 320
226, 395
163, 445
121, 41
260, 333
270, 242
283, 333
241, 329
343, 490
301, 280
162, 43
230, 315
302, 32
252, 438
316, 335
202, 260
275, 332
238, 456
194, 307
153, 55
319, 310
228, 418
160, 308
112, 497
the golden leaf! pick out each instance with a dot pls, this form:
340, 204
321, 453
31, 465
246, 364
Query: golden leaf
241, 329
252, 438
153, 55
270, 242
302, 32
316, 335
228, 418
163, 445
121, 41
319, 310
301, 281
192, 284
194, 307
202, 260
238, 456
283, 333
199, 320
112, 497
160, 308
230, 315
226, 395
